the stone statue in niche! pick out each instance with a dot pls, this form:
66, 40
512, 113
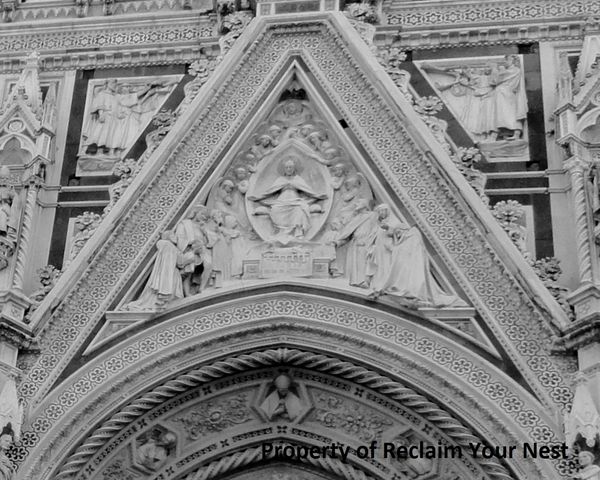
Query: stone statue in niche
282, 401
7, 471
288, 200
155, 449
10, 210
589, 470
292, 204
488, 98
116, 114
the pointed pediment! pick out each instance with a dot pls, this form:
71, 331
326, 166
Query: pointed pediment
384, 141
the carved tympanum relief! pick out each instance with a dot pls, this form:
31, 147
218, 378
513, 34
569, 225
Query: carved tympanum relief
292, 203
487, 96
218, 431
117, 111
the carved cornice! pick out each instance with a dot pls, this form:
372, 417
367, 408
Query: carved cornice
62, 9
424, 38
106, 42
419, 25
415, 14
14, 334
147, 29
580, 334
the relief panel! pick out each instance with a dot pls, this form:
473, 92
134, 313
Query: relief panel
117, 110
487, 96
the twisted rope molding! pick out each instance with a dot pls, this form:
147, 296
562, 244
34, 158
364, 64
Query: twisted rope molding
24, 237
309, 360
578, 169
252, 455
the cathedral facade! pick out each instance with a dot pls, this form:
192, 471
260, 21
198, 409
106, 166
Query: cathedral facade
299, 240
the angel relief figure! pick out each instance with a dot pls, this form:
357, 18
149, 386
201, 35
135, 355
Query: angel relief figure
292, 113
288, 201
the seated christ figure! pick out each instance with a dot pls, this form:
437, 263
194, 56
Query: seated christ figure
289, 201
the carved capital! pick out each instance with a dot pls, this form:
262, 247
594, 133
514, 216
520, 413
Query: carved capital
577, 165
13, 330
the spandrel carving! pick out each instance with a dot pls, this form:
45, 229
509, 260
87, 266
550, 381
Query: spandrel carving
293, 204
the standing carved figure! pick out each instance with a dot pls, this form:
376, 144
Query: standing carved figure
510, 107
359, 232
194, 243
236, 244
9, 205
164, 284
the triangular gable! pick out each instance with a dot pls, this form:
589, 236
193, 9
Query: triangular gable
513, 303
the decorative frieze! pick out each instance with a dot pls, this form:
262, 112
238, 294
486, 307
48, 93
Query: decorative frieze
414, 14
